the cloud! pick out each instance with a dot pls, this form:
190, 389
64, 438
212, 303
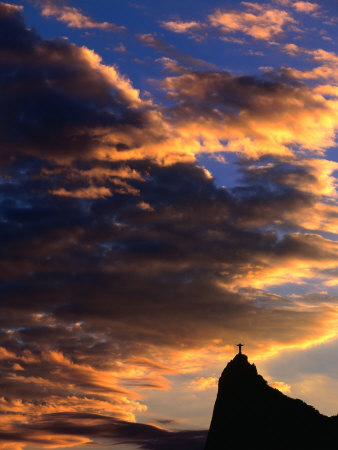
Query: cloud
75, 265
145, 242
307, 175
91, 192
291, 49
261, 22
121, 48
326, 70
74, 17
314, 178
196, 30
181, 27
202, 383
158, 44
281, 386
251, 115
96, 112
305, 7
63, 426
171, 65
123, 264
78, 107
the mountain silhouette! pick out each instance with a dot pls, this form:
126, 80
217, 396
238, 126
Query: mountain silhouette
249, 414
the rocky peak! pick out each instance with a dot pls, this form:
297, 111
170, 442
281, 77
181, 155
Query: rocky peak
248, 413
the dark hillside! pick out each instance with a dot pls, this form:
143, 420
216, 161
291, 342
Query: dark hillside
249, 414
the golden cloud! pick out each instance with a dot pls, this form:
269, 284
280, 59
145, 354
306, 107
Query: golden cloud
74, 18
273, 119
90, 192
305, 7
281, 386
259, 21
203, 383
181, 27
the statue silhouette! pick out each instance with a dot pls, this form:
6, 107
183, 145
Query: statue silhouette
240, 348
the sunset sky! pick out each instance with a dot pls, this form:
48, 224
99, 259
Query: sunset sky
168, 189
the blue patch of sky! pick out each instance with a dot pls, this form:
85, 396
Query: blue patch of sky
313, 287
224, 173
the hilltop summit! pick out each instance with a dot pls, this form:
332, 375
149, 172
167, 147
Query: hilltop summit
249, 414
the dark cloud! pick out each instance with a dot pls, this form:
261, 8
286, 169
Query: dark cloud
98, 426
56, 100
171, 51
15, 38
88, 250
231, 93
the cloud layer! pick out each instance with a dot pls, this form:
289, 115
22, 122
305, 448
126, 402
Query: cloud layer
123, 264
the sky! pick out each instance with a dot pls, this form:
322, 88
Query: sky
168, 176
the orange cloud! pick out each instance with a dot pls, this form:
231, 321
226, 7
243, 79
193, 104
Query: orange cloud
202, 383
90, 192
291, 49
327, 70
45, 440
98, 173
145, 206
181, 27
281, 386
171, 65
69, 387
95, 177
254, 118
114, 78
74, 18
276, 121
260, 21
323, 217
5, 354
306, 7
313, 177
11, 7
76, 387
318, 255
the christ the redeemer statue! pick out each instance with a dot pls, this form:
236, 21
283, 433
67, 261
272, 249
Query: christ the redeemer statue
240, 348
